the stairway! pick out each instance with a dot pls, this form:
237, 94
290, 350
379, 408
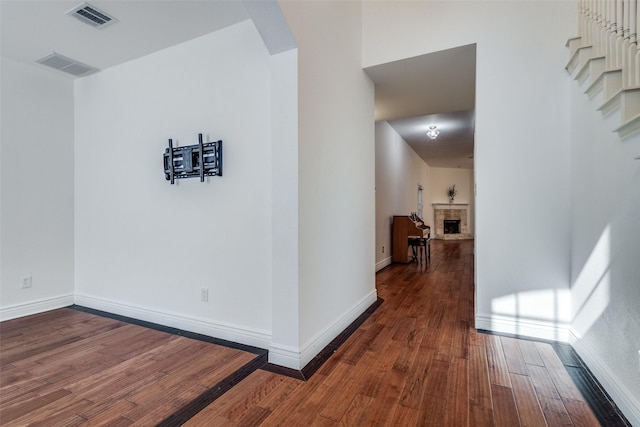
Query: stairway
605, 58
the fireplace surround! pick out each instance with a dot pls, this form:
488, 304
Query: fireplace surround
457, 213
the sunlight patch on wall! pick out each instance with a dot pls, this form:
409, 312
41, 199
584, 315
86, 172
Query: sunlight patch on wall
549, 305
591, 289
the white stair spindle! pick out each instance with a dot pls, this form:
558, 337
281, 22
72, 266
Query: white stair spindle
580, 14
631, 52
614, 32
637, 53
611, 36
626, 66
620, 32
588, 36
602, 25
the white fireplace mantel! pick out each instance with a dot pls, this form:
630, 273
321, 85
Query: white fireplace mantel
450, 205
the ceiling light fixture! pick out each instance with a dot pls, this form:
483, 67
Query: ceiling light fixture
433, 132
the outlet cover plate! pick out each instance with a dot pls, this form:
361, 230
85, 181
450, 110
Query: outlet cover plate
26, 282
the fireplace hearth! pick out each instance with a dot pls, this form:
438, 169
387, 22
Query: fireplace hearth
451, 226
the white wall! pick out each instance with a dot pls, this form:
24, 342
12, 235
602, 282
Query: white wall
336, 170
399, 170
605, 244
145, 248
443, 178
37, 189
521, 144
285, 344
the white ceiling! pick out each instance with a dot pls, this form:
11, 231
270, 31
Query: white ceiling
437, 88
33, 29
433, 89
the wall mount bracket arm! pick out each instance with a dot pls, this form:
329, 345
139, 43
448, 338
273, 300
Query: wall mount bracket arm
200, 160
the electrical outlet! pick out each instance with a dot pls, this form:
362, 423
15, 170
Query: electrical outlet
26, 282
204, 294
383, 249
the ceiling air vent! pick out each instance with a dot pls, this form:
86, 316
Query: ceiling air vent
68, 65
91, 15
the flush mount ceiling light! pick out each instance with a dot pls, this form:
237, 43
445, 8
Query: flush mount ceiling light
433, 132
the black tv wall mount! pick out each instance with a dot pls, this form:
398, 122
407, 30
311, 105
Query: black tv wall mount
202, 159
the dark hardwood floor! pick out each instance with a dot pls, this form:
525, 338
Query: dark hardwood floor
415, 361
67, 367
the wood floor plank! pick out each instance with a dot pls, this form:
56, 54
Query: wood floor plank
253, 417
504, 406
457, 403
338, 405
513, 356
208, 421
375, 381
430, 339
402, 332
530, 353
437, 381
280, 393
460, 341
412, 392
552, 405
479, 383
559, 375
444, 346
580, 413
480, 416
15, 389
320, 421
406, 357
321, 398
354, 350
383, 410
265, 384
15, 410
108, 412
498, 368
59, 413
527, 402
299, 395
432, 411
358, 411
405, 416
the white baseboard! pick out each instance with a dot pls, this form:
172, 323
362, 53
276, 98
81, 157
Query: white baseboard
35, 307
319, 341
225, 331
294, 358
525, 327
624, 399
382, 264
289, 357
281, 355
